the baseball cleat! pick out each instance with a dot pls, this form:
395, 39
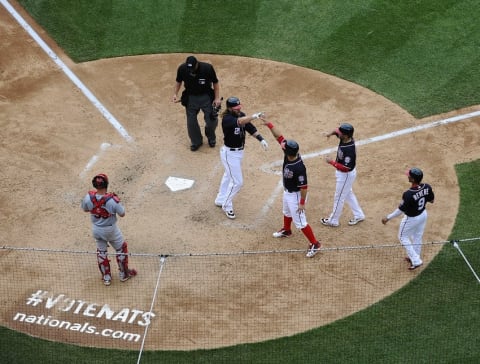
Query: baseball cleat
415, 266
355, 221
282, 233
313, 250
230, 214
130, 273
106, 280
327, 222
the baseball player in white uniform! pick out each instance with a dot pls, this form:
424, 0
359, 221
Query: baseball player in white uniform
413, 206
234, 125
295, 186
345, 174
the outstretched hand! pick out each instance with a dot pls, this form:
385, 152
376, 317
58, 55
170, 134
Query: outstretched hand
257, 115
264, 144
263, 117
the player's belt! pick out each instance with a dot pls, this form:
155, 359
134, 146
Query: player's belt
234, 149
291, 191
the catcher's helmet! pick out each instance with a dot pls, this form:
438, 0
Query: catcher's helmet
233, 101
291, 147
346, 129
100, 181
416, 174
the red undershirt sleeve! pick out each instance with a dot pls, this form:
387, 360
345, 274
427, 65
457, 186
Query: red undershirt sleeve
340, 166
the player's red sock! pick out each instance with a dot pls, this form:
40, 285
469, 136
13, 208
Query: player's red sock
287, 223
308, 232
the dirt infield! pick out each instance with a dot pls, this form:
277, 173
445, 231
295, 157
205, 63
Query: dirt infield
50, 132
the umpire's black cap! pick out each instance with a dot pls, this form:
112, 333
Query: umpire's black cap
191, 62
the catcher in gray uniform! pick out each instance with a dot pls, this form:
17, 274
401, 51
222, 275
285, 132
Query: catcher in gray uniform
104, 207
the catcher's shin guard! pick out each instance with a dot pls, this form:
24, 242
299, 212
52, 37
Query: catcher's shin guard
103, 263
122, 261
122, 257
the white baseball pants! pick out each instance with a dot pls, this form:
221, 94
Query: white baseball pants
410, 234
291, 200
344, 193
232, 180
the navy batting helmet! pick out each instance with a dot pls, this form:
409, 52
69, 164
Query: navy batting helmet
346, 129
291, 148
233, 101
416, 174
100, 181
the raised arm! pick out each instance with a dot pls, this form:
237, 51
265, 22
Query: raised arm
248, 118
273, 129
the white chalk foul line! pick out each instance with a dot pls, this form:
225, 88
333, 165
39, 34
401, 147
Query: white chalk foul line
103, 110
94, 159
420, 127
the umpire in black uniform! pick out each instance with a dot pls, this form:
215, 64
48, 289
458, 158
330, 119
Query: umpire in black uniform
202, 92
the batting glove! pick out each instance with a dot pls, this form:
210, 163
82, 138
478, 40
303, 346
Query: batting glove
264, 144
257, 115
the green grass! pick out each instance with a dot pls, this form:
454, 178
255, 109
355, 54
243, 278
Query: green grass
423, 55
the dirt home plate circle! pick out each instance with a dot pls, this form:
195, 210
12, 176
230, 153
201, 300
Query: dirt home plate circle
61, 139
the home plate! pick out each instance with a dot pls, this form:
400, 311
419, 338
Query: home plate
178, 184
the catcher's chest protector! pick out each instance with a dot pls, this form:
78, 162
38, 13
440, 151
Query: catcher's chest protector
98, 205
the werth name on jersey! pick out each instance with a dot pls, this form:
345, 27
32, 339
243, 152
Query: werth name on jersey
420, 194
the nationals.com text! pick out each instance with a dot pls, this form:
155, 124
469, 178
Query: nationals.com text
62, 303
